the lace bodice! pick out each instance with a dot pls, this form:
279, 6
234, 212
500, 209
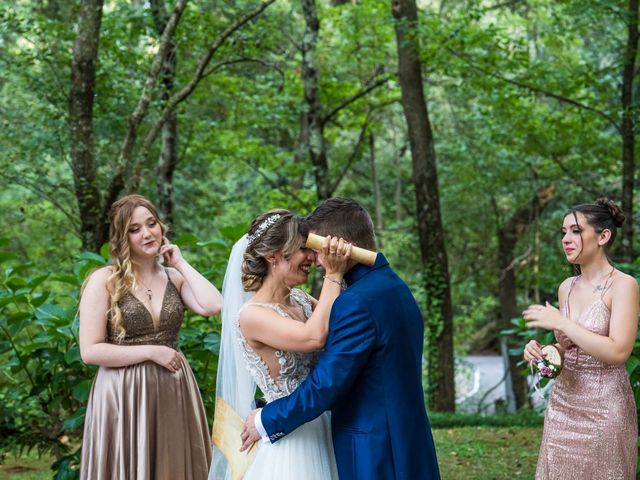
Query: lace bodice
294, 366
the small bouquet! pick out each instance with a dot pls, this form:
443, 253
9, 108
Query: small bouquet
551, 364
549, 367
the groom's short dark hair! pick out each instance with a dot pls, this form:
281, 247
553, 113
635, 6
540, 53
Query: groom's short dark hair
342, 217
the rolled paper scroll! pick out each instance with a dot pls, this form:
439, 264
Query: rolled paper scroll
227, 426
360, 255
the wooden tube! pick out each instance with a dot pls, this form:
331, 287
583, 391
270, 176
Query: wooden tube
360, 255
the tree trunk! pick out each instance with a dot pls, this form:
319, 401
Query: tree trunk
302, 151
316, 144
376, 191
508, 236
168, 159
399, 190
627, 130
83, 80
438, 314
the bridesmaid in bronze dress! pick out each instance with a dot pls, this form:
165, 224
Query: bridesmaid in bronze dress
590, 426
145, 418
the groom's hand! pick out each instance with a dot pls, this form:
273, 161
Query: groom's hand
249, 434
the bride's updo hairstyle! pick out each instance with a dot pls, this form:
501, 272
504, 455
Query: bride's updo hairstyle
602, 215
275, 231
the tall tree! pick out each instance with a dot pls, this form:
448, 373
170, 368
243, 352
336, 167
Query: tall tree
314, 122
317, 115
127, 175
81, 95
508, 236
628, 126
168, 159
377, 198
438, 314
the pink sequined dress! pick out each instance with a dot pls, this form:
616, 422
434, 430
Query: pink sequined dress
590, 426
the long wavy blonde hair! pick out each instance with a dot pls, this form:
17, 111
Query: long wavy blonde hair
122, 278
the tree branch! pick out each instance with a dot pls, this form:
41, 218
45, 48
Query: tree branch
277, 186
220, 65
349, 100
184, 93
497, 6
515, 226
35, 187
574, 178
142, 108
354, 153
541, 91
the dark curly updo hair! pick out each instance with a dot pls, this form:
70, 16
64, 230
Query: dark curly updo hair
602, 215
269, 235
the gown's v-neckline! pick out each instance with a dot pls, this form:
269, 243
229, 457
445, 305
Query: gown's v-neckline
590, 306
149, 313
587, 309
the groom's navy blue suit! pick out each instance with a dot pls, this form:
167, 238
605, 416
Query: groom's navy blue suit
369, 376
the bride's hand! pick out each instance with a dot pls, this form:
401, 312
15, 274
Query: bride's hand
335, 255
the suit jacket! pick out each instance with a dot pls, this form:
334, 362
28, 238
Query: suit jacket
370, 377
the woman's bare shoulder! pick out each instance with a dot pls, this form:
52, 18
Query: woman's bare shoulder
100, 275
623, 282
563, 289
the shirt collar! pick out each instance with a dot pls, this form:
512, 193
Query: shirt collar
359, 270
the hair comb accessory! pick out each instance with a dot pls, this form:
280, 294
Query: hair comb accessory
263, 227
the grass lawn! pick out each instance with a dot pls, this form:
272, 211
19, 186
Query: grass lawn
487, 453
465, 453
26, 467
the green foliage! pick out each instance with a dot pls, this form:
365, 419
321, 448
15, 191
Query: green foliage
44, 385
523, 418
633, 363
489, 68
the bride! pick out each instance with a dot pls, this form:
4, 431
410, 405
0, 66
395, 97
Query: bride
272, 338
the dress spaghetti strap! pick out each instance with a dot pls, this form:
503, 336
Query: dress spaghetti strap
607, 285
575, 279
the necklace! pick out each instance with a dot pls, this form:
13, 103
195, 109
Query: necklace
600, 286
148, 291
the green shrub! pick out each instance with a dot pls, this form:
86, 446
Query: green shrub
523, 418
44, 385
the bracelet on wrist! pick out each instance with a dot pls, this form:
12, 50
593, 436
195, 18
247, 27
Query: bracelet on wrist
342, 283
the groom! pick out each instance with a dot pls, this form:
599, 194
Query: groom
369, 373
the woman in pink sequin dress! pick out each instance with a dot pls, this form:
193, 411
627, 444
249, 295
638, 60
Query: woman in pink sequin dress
590, 426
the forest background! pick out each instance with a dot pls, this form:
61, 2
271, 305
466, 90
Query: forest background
467, 128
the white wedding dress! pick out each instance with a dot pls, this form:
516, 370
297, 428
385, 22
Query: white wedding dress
306, 453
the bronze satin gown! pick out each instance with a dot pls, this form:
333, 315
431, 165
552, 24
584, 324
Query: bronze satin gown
144, 422
590, 426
